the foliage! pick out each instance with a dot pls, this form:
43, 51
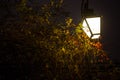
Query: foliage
45, 44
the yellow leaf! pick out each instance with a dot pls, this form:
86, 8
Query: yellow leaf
63, 49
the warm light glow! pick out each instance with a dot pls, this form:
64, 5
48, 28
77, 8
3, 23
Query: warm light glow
94, 24
86, 29
91, 26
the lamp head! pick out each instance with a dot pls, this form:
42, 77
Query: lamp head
92, 26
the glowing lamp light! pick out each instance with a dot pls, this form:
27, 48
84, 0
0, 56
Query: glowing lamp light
91, 26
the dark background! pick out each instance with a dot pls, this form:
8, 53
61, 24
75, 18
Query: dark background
110, 29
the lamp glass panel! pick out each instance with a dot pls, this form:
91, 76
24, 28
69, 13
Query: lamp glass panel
95, 36
86, 29
94, 24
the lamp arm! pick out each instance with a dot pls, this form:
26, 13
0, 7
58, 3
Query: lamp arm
84, 6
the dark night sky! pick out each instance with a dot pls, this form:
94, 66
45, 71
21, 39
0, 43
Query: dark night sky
110, 31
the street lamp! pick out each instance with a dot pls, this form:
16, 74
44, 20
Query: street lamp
91, 24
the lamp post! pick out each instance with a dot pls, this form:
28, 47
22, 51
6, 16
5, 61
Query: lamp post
90, 22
